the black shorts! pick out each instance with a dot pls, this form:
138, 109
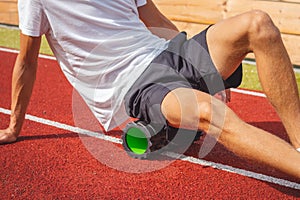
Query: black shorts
184, 64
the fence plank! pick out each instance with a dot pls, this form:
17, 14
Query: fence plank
292, 42
199, 11
194, 15
285, 15
287, 1
8, 7
8, 12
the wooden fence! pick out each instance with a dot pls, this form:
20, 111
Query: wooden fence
9, 12
193, 15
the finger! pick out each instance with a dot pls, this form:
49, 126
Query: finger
228, 95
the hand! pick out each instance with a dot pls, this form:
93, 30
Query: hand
7, 136
224, 95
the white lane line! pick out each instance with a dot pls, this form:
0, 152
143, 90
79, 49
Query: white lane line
240, 91
234, 170
66, 127
247, 92
17, 51
189, 159
183, 157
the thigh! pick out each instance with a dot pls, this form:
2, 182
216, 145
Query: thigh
228, 43
143, 100
193, 109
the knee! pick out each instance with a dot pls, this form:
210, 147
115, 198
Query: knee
204, 111
261, 28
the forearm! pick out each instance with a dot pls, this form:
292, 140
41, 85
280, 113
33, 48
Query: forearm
22, 84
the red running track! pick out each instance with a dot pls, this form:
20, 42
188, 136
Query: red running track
52, 163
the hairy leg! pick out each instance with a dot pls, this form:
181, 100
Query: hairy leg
255, 32
188, 108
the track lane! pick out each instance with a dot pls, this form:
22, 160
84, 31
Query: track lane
51, 163
51, 100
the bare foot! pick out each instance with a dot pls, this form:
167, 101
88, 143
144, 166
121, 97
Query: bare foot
7, 136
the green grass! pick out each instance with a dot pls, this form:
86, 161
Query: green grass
10, 38
250, 78
251, 81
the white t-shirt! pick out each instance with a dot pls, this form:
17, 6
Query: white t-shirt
101, 46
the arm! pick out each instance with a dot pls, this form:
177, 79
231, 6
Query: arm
23, 79
156, 22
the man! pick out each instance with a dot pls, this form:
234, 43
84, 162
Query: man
113, 60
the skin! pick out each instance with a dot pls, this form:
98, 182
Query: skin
188, 108
23, 79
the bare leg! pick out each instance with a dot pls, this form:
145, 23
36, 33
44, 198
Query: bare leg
189, 108
255, 32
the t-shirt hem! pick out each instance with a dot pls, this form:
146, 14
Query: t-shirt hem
28, 32
141, 3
